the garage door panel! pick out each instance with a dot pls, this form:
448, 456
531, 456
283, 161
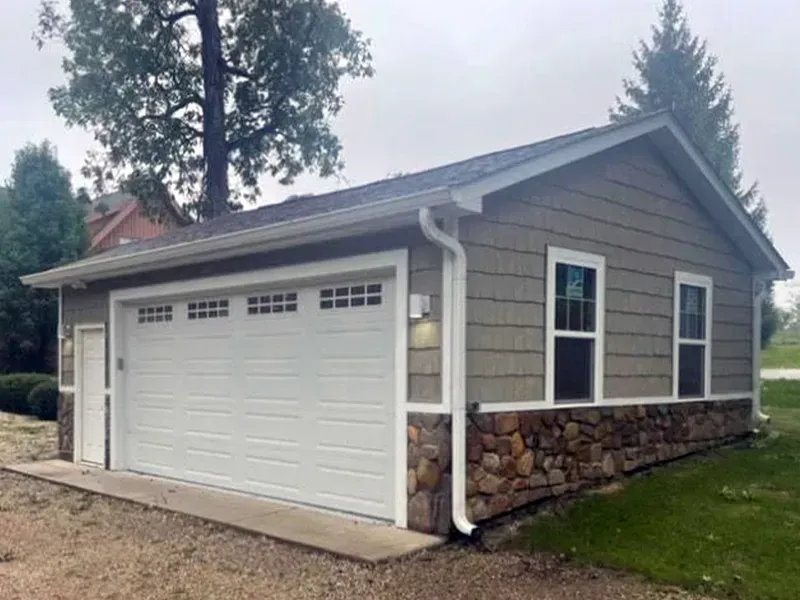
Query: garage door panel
297, 405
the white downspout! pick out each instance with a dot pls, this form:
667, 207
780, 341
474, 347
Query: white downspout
759, 292
456, 392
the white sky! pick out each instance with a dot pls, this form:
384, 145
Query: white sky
457, 78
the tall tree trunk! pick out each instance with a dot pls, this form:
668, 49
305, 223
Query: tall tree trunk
215, 149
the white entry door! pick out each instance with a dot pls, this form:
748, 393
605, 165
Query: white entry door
284, 391
91, 387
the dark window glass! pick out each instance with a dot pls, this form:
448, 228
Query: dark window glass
252, 310
574, 369
291, 307
357, 301
561, 279
576, 293
342, 303
291, 297
691, 370
692, 324
326, 304
373, 300
357, 290
343, 291
374, 288
326, 293
561, 313
277, 298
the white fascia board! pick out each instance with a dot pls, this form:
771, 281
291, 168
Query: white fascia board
340, 223
723, 198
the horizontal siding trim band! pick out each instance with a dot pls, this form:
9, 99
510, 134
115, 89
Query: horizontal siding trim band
538, 405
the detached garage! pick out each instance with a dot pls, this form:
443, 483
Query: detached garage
435, 349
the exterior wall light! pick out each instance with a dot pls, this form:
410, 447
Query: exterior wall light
419, 306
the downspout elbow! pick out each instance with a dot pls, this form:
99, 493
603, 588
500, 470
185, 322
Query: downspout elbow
456, 312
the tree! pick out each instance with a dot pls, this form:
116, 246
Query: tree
192, 92
676, 71
43, 228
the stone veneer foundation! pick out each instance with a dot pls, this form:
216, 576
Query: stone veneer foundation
518, 458
65, 416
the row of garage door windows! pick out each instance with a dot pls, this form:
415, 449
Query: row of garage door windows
365, 294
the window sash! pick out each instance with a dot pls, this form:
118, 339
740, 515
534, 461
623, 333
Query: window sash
596, 295
707, 284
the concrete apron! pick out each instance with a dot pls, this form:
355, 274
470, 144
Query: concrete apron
336, 534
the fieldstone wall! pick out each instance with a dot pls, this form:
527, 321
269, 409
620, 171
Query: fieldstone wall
66, 403
522, 457
428, 477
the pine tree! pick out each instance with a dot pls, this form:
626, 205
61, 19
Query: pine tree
676, 71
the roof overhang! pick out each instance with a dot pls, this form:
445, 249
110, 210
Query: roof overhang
338, 224
661, 129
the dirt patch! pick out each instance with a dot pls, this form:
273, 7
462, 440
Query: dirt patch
61, 543
25, 439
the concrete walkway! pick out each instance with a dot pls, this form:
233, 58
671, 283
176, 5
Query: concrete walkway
339, 535
780, 373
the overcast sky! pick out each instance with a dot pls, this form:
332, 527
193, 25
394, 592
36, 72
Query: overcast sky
457, 78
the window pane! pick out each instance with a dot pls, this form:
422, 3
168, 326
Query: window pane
588, 315
561, 313
691, 370
575, 280
589, 284
561, 279
574, 369
574, 315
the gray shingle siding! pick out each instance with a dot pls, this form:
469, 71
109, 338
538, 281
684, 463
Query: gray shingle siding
627, 206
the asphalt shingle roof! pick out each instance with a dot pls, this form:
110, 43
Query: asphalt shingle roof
454, 174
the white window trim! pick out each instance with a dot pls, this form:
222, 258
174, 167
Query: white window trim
581, 259
703, 281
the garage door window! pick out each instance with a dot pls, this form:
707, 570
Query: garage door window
154, 314
366, 294
207, 309
268, 304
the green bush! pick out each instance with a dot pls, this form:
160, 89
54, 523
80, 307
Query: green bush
15, 389
43, 400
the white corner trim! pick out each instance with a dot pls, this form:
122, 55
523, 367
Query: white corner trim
399, 260
66, 389
583, 259
707, 283
541, 405
60, 338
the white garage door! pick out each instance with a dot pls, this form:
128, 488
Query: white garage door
285, 392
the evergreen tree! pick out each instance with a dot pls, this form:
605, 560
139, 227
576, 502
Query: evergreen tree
42, 228
676, 71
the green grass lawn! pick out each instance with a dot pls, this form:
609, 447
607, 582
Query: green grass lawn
783, 352
727, 523
781, 356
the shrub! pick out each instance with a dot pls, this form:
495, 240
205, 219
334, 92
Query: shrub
15, 389
43, 400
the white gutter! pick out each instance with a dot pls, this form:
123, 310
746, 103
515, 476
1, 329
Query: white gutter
759, 293
456, 391
305, 230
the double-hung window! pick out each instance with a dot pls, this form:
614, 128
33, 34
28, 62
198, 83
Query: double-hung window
691, 370
574, 323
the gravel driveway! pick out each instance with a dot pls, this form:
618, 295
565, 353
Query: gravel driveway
59, 543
